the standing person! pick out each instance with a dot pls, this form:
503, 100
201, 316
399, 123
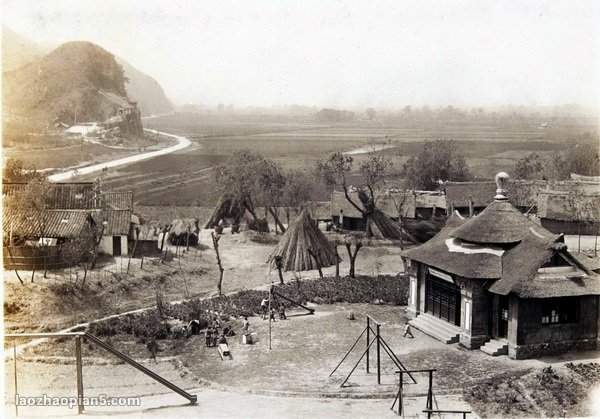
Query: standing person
407, 330
246, 325
272, 314
264, 307
281, 309
153, 348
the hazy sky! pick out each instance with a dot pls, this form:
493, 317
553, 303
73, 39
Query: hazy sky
340, 53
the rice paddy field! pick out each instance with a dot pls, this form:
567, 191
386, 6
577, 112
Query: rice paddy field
185, 178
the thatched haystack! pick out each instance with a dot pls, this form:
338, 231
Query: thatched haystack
227, 209
383, 227
380, 225
297, 242
184, 232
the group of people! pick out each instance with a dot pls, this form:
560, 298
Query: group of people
264, 309
215, 335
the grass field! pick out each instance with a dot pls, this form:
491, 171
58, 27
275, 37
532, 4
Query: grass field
186, 178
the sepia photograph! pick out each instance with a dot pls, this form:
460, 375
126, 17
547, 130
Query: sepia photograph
300, 209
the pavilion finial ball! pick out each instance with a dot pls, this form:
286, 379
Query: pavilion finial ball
501, 184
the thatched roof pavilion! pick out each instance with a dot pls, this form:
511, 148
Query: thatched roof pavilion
501, 282
302, 237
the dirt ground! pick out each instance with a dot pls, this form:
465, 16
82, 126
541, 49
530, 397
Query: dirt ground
306, 348
55, 302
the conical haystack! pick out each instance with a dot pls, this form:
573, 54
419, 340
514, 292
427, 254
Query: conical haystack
226, 209
294, 247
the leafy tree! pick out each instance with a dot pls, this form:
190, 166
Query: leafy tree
298, 189
440, 160
334, 172
270, 186
32, 203
237, 178
15, 171
581, 158
253, 180
529, 167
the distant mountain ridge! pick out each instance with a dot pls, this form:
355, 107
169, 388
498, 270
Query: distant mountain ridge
41, 85
18, 51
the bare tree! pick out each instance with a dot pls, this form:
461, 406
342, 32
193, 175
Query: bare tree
215, 239
350, 240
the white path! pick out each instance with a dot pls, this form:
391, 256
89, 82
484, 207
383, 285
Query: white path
369, 148
182, 142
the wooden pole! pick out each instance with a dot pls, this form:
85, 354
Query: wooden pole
132, 252
269, 314
15, 370
378, 356
368, 340
79, 375
430, 391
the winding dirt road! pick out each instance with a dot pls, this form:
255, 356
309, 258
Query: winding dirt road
182, 142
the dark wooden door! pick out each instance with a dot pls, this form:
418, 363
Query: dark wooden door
116, 245
502, 316
442, 299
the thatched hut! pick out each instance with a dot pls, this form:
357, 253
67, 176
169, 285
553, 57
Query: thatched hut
301, 239
500, 282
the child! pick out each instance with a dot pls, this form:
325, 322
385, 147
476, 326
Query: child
407, 330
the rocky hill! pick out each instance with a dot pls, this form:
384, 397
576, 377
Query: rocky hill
64, 84
145, 91
44, 86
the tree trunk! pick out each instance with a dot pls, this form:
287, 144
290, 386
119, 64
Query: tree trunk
13, 262
352, 257
276, 218
315, 256
215, 240
337, 262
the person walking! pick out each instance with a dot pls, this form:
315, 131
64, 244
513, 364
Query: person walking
407, 330
264, 307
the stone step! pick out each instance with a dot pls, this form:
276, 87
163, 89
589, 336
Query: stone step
441, 325
495, 347
432, 327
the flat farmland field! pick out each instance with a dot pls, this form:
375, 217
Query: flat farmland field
186, 178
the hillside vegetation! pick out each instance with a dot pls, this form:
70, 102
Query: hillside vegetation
64, 84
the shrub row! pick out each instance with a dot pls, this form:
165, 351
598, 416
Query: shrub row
144, 326
362, 289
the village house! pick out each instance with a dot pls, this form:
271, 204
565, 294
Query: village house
577, 212
470, 198
410, 204
117, 216
502, 283
52, 239
76, 215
